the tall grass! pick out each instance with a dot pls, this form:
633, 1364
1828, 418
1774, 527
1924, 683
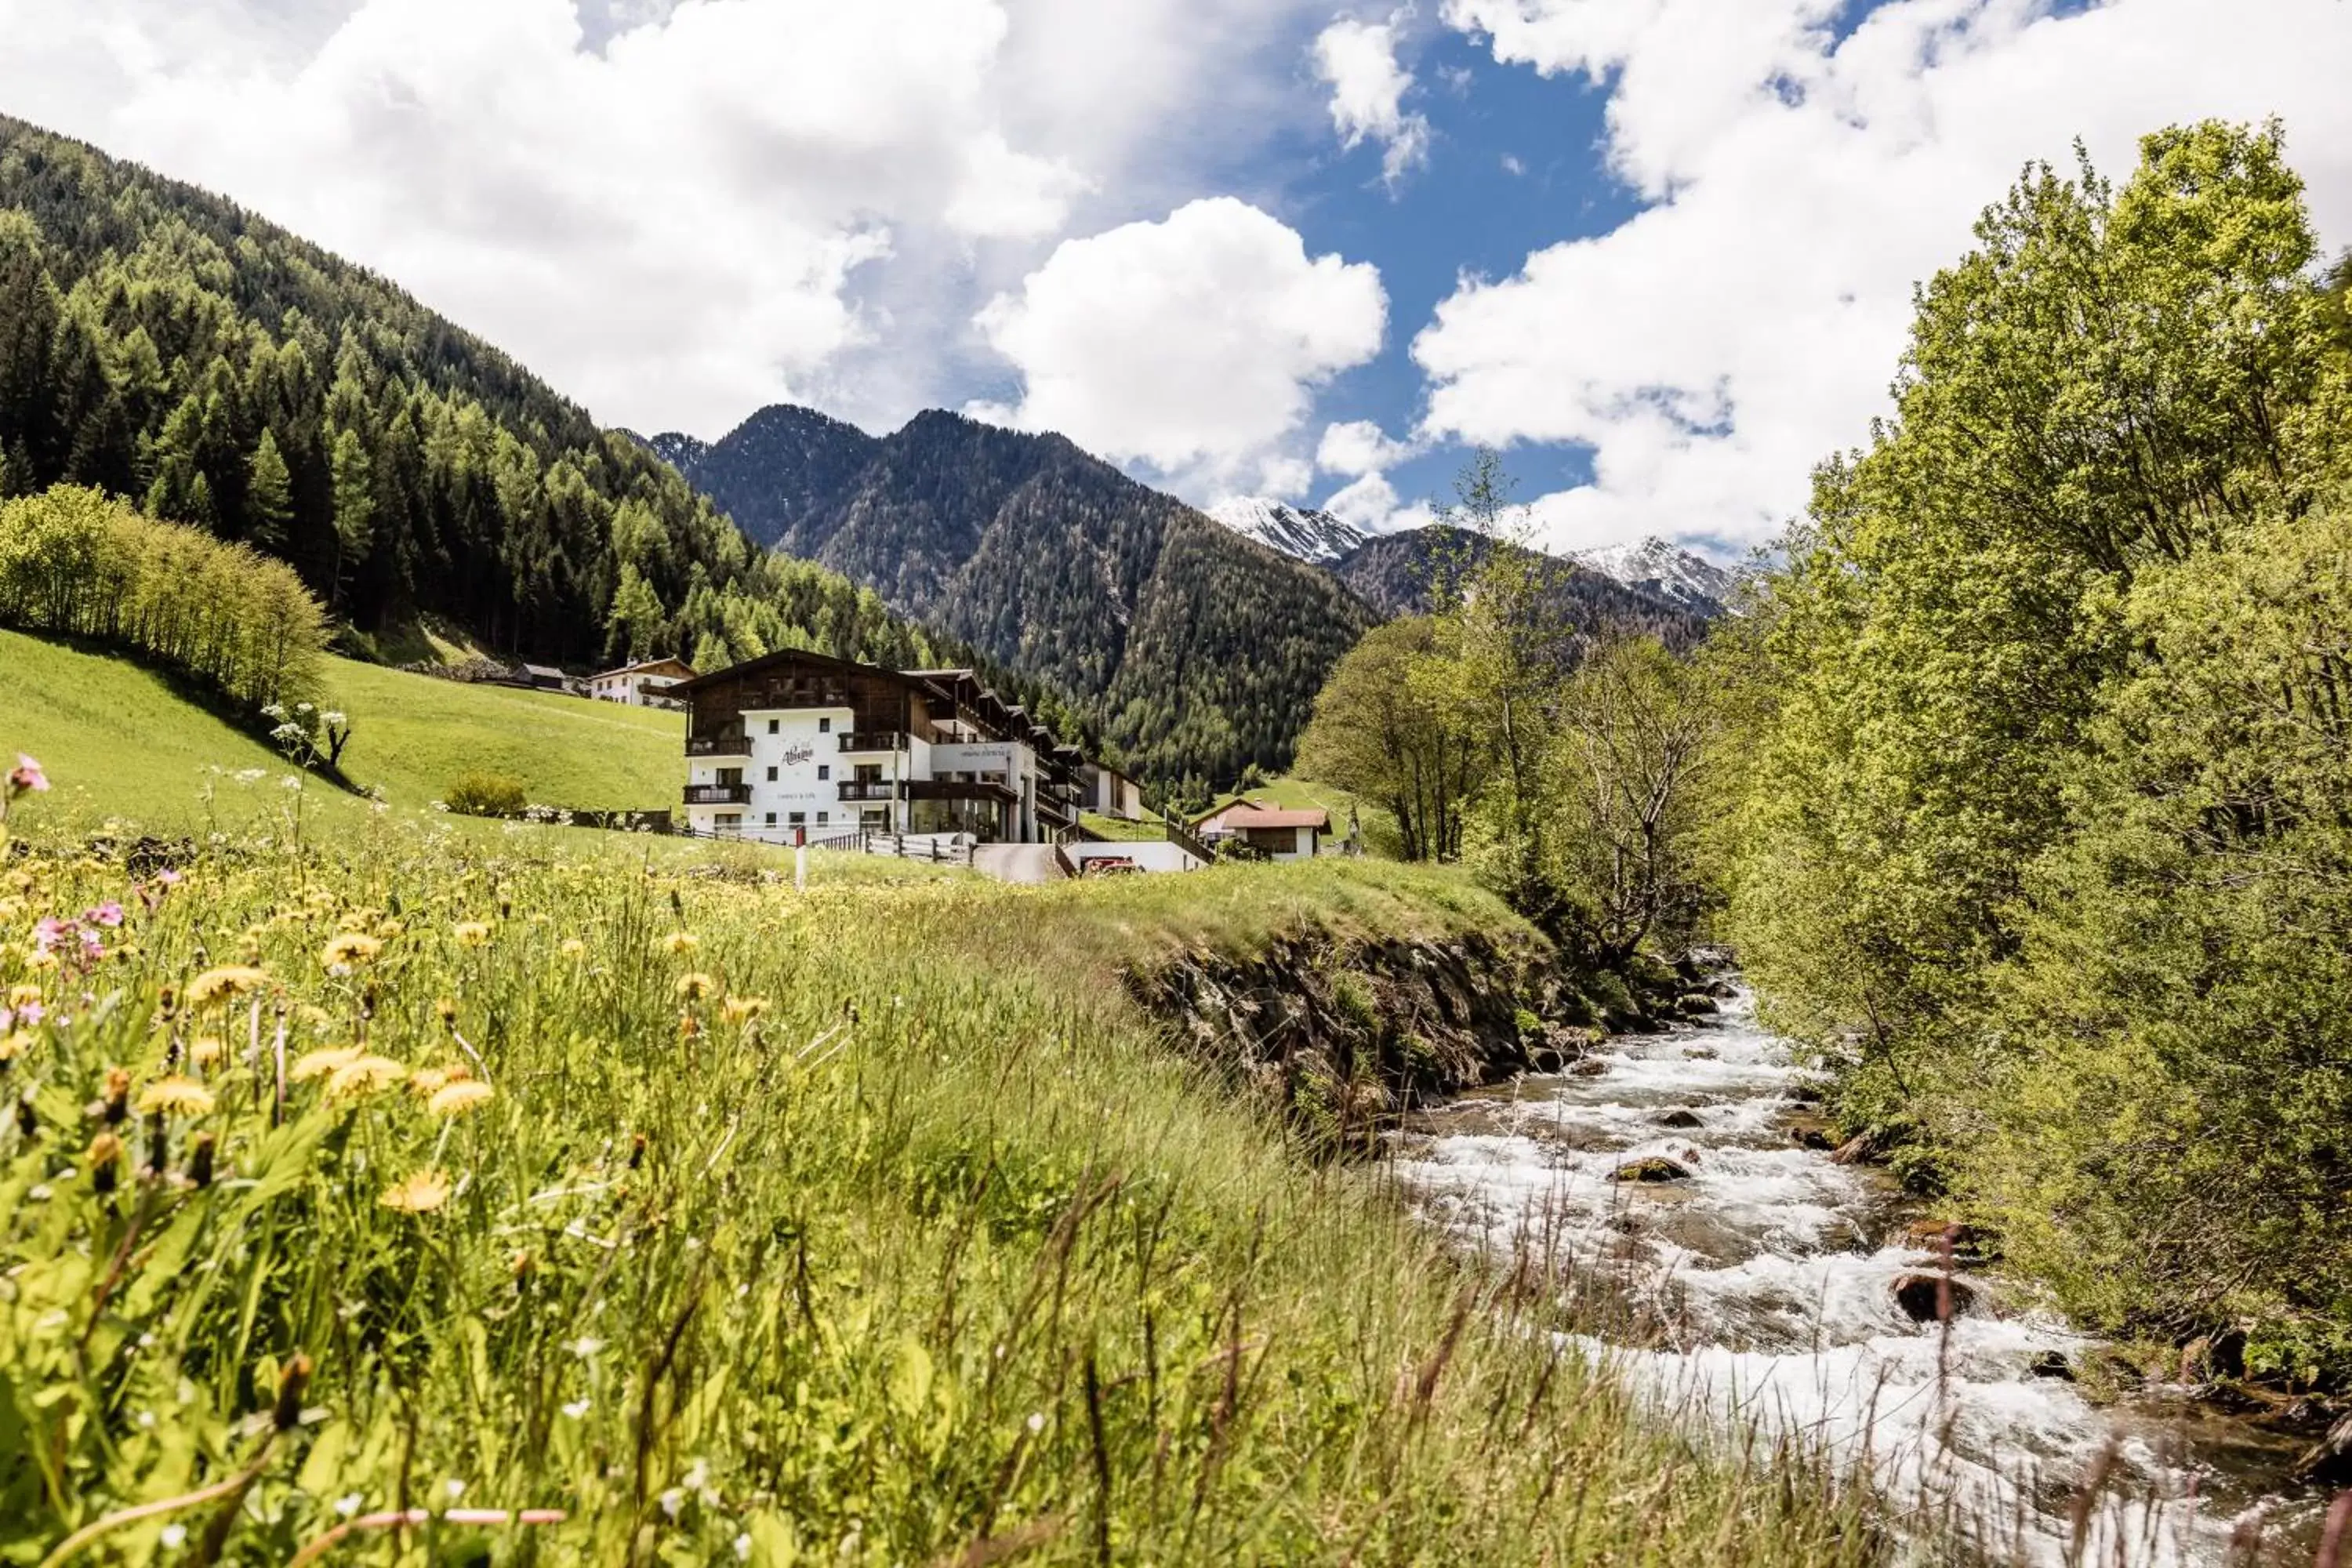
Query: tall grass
860, 1226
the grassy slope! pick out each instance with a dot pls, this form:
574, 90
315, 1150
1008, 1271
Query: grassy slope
123, 744
946, 1248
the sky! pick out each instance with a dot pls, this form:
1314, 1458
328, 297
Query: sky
1659, 253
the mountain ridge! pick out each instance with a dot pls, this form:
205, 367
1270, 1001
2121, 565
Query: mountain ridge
1199, 651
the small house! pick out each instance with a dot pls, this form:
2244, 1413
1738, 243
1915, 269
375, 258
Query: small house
645, 684
1283, 832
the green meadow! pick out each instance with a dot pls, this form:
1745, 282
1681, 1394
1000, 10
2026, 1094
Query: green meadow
124, 743
364, 1196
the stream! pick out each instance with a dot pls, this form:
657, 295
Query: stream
1760, 1290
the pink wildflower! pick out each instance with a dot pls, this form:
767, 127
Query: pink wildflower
108, 914
27, 776
50, 932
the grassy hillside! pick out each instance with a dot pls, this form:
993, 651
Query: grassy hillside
863, 1227
123, 744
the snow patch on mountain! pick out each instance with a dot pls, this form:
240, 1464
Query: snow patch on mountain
1299, 532
1657, 568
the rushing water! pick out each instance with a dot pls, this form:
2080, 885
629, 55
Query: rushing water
1761, 1289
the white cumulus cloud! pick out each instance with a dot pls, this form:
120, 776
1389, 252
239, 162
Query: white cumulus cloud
1193, 344
1746, 324
1358, 60
675, 210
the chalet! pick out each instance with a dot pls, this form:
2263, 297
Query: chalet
1283, 832
543, 677
800, 742
645, 684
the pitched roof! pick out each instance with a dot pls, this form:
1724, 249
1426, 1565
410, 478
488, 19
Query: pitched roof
647, 667
1246, 817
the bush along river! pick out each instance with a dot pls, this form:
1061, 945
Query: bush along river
1750, 1274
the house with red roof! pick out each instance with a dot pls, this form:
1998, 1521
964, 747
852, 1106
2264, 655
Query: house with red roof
1281, 832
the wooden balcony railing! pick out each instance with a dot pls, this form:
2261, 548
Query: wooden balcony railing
718, 745
875, 789
875, 740
718, 794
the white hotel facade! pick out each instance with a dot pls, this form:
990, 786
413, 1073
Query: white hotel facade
801, 744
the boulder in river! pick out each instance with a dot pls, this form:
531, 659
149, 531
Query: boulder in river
1653, 1168
1680, 1120
1922, 1296
1857, 1151
1808, 1133
1696, 1003
2051, 1364
1587, 1066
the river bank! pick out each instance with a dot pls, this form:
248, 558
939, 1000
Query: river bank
1757, 1280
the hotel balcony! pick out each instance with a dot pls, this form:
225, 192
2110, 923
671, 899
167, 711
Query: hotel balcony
718, 794
869, 790
869, 741
962, 789
719, 745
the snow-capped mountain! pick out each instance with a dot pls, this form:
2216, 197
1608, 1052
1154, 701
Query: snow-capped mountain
1316, 536
1658, 569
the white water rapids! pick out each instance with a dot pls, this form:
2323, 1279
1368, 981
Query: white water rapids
1760, 1290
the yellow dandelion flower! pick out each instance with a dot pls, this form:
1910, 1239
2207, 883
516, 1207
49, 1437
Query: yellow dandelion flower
23, 995
694, 987
175, 1095
446, 1010
36, 960
207, 1052
220, 984
457, 1099
472, 934
320, 1064
15, 1046
364, 1075
349, 949
680, 942
573, 947
426, 1082
422, 1193
743, 1009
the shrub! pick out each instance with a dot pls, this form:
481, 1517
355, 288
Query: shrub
487, 795
79, 562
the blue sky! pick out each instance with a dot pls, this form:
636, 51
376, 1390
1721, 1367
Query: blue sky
1516, 162
1238, 247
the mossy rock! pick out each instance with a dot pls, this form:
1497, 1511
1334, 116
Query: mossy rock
1651, 1169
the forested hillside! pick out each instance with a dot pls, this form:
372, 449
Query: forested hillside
163, 345
1200, 651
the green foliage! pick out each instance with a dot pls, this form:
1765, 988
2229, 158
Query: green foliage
74, 562
855, 1227
1383, 729
2038, 837
487, 795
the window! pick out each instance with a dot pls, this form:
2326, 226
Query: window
822, 817
799, 817
824, 726
772, 819
772, 726
772, 776
824, 772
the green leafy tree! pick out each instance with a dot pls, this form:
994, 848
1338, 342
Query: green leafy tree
1382, 730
